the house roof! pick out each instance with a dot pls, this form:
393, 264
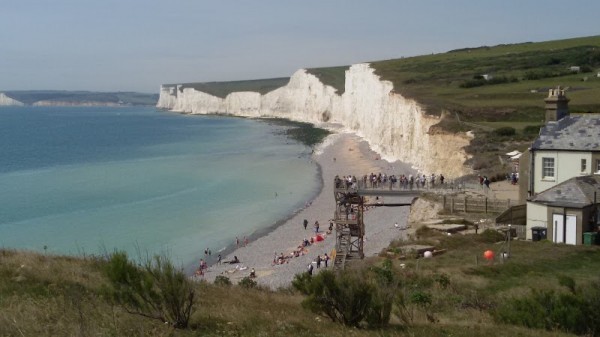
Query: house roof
571, 133
576, 192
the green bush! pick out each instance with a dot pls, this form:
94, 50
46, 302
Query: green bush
344, 297
222, 281
247, 283
155, 290
491, 236
385, 286
302, 283
575, 312
505, 131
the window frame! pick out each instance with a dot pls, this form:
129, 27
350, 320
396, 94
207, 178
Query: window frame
583, 165
546, 168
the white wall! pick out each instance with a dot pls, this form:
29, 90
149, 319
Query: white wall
567, 164
537, 216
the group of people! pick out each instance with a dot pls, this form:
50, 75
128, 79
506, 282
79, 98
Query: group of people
383, 180
317, 226
237, 241
320, 259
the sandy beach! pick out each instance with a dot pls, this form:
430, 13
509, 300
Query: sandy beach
340, 154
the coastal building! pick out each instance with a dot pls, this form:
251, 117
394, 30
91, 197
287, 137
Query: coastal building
567, 210
564, 157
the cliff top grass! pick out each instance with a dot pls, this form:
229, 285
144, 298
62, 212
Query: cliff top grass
332, 76
45, 295
222, 89
522, 74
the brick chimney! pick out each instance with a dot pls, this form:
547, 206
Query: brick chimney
557, 104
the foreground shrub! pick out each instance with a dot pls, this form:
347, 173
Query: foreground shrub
576, 312
156, 290
222, 281
385, 287
247, 283
344, 297
302, 283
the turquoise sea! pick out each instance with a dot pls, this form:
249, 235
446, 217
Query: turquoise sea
91, 180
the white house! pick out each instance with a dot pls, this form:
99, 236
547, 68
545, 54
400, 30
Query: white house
568, 147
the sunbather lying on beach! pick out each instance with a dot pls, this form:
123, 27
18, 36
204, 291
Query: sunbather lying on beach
234, 261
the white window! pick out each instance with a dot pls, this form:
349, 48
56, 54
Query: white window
583, 165
547, 167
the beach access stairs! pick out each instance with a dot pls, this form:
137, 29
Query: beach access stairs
349, 218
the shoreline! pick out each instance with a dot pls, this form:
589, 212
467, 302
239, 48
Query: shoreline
352, 156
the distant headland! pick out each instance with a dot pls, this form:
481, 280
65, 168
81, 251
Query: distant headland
75, 98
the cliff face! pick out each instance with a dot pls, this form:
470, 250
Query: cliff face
394, 126
6, 101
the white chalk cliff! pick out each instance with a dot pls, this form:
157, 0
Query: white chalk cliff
6, 101
396, 127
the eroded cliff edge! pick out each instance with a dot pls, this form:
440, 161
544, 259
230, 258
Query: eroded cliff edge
396, 127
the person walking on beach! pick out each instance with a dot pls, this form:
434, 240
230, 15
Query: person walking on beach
219, 261
318, 261
305, 223
316, 227
237, 241
310, 269
325, 259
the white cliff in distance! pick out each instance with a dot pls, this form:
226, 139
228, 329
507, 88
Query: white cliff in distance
6, 101
396, 127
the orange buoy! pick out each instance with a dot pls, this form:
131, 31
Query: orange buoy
488, 254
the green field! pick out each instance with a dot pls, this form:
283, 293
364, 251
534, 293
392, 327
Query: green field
530, 69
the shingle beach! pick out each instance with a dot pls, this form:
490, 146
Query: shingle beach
340, 154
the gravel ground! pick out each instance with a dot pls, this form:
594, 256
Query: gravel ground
340, 154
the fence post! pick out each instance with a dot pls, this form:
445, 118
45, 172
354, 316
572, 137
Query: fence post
452, 205
465, 204
444, 198
486, 205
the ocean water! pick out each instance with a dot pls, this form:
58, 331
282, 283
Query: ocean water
91, 180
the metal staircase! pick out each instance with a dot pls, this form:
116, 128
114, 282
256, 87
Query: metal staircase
349, 225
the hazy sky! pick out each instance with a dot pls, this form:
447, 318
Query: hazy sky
135, 45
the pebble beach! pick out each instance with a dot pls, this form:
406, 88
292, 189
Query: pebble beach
340, 154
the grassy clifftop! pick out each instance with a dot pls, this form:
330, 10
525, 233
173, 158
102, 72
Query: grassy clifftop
222, 89
522, 74
454, 294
